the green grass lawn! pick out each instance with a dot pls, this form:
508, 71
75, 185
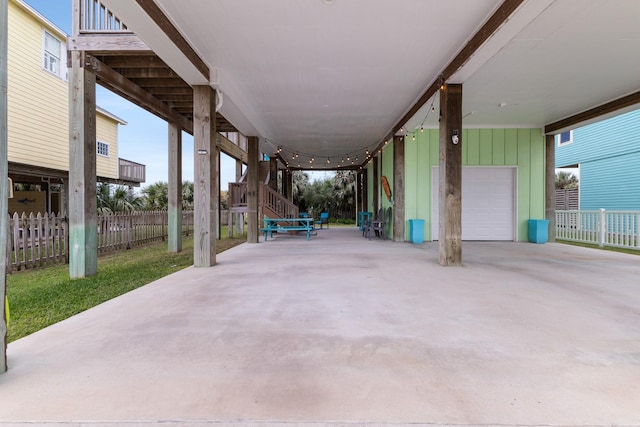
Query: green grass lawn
39, 298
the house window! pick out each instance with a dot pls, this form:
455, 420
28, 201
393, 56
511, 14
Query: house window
102, 149
564, 138
53, 56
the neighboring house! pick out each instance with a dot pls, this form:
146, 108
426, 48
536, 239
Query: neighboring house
503, 182
608, 156
38, 116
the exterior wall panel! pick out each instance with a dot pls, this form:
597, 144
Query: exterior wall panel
609, 138
523, 148
612, 183
37, 100
107, 131
608, 153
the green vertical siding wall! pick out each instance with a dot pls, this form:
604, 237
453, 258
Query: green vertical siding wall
522, 148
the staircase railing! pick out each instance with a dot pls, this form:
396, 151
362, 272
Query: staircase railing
270, 202
237, 196
275, 205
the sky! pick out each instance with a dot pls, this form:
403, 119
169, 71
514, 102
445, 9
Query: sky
144, 138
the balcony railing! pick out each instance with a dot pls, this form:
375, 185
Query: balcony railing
96, 18
131, 171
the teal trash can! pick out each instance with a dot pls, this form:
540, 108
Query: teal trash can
538, 230
362, 217
416, 230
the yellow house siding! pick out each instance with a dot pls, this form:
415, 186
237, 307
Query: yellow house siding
107, 132
37, 100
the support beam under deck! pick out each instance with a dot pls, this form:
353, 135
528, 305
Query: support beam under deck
205, 215
175, 187
550, 185
450, 215
4, 178
83, 217
398, 189
252, 189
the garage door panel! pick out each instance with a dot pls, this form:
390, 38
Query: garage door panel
488, 203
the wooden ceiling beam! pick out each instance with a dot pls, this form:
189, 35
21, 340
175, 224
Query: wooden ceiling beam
231, 149
178, 97
499, 17
149, 73
161, 90
104, 43
140, 61
593, 114
161, 20
135, 93
160, 82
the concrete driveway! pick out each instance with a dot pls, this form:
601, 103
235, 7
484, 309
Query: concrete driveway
344, 331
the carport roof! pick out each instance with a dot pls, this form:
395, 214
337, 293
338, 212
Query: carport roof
332, 78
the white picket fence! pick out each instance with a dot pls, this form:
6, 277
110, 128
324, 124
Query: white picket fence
42, 239
603, 228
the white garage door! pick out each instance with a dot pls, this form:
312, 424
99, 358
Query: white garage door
488, 203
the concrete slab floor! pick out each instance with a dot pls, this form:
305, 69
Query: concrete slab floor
344, 331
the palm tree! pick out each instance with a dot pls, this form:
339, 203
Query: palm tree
116, 199
566, 180
300, 182
344, 183
156, 196
187, 195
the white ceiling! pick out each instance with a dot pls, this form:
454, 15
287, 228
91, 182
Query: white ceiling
331, 78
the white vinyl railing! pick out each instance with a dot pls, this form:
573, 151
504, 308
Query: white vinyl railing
603, 228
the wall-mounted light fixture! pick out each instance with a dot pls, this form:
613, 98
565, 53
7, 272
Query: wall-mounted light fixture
202, 151
454, 137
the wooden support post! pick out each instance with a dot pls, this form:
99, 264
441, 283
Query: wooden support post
216, 188
289, 184
205, 177
376, 186
83, 219
273, 173
4, 180
239, 216
175, 188
365, 191
252, 189
450, 233
550, 185
398, 189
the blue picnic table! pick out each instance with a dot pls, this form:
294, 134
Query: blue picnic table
286, 225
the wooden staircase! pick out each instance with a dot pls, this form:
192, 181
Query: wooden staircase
270, 203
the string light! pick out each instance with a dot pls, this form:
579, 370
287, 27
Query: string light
288, 156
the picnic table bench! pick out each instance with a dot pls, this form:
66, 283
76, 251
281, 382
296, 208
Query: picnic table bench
286, 225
